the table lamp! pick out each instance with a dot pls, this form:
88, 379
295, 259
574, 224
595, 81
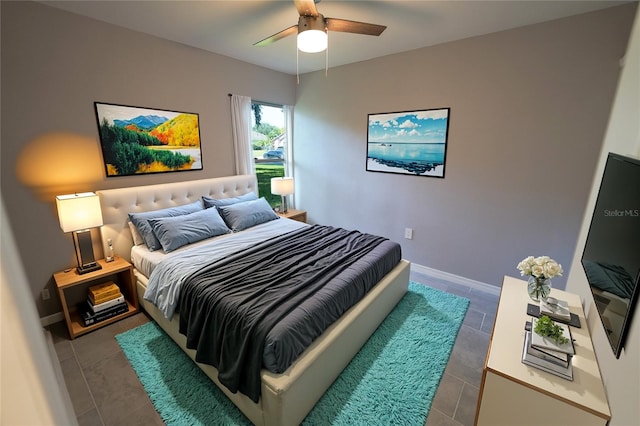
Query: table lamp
282, 186
78, 213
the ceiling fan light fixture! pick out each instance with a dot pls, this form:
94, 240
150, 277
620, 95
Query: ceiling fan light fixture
312, 41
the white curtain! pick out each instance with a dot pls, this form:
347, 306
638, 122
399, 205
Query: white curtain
241, 127
288, 128
288, 123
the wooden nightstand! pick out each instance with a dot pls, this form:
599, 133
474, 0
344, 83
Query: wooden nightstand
73, 287
299, 215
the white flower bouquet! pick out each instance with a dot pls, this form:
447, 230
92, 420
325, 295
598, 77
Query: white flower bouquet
540, 267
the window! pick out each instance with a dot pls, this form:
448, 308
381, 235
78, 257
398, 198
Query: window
269, 142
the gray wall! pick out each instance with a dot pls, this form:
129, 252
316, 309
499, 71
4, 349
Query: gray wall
621, 376
54, 66
529, 109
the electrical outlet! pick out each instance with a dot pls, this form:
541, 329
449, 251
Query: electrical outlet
408, 233
45, 294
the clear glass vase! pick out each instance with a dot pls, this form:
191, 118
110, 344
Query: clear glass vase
538, 288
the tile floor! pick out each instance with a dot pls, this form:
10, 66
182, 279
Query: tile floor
105, 391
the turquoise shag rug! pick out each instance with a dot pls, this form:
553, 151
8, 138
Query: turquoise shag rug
392, 380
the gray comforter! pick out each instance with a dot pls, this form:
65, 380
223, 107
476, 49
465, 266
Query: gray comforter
295, 286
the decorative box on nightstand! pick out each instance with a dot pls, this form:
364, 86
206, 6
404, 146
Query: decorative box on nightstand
299, 215
73, 288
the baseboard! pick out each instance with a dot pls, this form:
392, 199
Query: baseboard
456, 279
52, 319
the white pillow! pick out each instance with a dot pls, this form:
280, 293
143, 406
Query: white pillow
137, 238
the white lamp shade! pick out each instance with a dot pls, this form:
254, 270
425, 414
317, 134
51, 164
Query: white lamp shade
282, 186
79, 211
312, 41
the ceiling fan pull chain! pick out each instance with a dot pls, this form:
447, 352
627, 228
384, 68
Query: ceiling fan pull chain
297, 70
326, 57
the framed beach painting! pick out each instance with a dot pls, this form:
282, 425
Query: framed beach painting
137, 140
408, 142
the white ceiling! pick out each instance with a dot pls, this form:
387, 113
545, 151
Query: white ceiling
231, 27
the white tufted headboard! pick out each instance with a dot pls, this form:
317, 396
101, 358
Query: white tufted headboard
116, 204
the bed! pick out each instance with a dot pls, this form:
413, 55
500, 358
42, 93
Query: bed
287, 397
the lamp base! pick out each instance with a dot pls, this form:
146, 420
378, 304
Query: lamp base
84, 252
283, 204
90, 267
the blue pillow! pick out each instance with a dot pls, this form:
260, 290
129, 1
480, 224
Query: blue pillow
241, 216
219, 202
177, 231
141, 221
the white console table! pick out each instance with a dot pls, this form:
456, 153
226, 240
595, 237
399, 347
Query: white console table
512, 393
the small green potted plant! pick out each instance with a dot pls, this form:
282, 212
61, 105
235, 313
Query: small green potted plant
546, 327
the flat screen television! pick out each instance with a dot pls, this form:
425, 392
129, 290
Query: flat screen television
611, 256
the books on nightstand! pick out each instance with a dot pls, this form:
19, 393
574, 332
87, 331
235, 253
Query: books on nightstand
89, 317
103, 293
104, 301
545, 355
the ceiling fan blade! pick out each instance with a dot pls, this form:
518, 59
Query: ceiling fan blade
347, 26
277, 36
306, 7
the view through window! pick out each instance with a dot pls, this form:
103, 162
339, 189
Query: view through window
269, 141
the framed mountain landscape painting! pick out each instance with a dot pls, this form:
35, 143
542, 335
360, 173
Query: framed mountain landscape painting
408, 142
137, 140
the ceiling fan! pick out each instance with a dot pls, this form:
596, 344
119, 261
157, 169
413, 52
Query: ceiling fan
313, 26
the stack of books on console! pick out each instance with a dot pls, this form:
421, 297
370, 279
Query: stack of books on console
104, 301
547, 355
